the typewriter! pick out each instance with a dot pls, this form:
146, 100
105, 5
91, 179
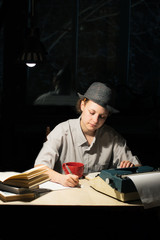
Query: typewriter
115, 182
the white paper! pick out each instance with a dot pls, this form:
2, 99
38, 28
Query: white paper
52, 186
148, 187
90, 176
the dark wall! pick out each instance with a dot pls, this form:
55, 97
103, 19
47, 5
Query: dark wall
23, 125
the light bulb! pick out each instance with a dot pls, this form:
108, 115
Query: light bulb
31, 64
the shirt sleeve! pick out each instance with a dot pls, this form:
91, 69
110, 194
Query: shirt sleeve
121, 152
49, 153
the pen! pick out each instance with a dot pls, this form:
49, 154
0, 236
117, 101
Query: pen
68, 169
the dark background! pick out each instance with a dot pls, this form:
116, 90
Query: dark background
112, 41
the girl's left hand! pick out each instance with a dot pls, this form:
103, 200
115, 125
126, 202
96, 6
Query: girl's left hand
126, 164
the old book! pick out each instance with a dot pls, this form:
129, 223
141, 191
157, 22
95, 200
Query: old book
28, 179
8, 196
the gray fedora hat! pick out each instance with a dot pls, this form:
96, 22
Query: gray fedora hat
101, 94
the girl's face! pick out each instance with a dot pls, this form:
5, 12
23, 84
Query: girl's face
93, 116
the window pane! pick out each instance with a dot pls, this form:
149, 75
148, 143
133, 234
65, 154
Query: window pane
99, 29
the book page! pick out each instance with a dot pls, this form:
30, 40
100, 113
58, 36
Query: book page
29, 174
6, 194
5, 175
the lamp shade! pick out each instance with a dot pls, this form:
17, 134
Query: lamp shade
34, 51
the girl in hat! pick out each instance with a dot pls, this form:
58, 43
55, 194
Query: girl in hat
86, 139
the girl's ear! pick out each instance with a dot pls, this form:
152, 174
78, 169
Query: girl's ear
82, 105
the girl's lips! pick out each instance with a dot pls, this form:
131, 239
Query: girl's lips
92, 125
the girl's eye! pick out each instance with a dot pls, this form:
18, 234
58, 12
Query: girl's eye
92, 113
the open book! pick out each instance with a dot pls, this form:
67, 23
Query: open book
28, 179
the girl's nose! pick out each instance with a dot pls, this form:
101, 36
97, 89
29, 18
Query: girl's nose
95, 119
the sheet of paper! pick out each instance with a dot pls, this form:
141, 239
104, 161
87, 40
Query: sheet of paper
148, 187
52, 186
90, 176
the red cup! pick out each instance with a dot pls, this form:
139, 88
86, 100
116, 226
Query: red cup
76, 168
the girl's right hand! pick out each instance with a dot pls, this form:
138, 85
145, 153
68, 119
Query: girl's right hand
69, 180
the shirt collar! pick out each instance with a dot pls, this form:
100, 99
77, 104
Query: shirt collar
80, 136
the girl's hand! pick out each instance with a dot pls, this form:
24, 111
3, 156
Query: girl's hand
126, 164
69, 180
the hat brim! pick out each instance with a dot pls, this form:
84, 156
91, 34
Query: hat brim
108, 107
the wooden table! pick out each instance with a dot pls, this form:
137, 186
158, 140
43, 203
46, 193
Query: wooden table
84, 196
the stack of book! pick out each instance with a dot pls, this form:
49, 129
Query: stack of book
22, 186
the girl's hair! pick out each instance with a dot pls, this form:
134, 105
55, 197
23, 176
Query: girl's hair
78, 105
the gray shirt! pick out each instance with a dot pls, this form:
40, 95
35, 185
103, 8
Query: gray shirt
67, 143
